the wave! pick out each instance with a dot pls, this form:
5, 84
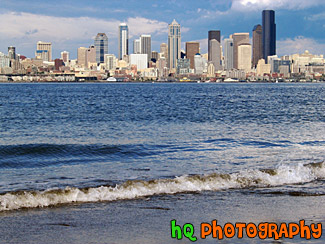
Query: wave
255, 178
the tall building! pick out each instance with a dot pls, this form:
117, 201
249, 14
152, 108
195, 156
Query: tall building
101, 45
82, 56
123, 40
137, 46
110, 61
146, 45
12, 52
44, 51
140, 60
238, 39
174, 44
65, 56
269, 33
192, 48
257, 44
215, 54
213, 35
229, 54
245, 57
164, 50
154, 55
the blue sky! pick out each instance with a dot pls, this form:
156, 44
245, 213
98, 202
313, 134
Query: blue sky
70, 24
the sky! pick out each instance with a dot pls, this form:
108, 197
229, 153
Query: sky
70, 24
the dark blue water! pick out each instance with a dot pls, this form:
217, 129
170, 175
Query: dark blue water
109, 142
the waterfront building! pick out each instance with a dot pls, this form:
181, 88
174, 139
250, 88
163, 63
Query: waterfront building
257, 44
183, 66
238, 39
137, 46
101, 45
140, 60
192, 48
269, 33
262, 68
123, 41
229, 53
245, 57
146, 45
174, 44
44, 51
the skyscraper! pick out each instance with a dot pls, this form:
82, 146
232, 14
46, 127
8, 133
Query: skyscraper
137, 46
12, 52
245, 57
269, 33
238, 39
174, 44
123, 41
101, 45
44, 51
213, 34
229, 54
146, 45
215, 54
164, 50
82, 57
257, 44
192, 48
65, 56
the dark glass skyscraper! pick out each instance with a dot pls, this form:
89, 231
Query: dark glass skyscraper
269, 34
101, 45
257, 44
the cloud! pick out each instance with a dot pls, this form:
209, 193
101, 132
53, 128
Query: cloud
246, 5
139, 25
316, 17
298, 45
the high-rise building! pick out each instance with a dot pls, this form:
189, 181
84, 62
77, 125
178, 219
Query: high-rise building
101, 45
200, 64
269, 33
215, 54
154, 55
192, 48
65, 56
4, 60
238, 39
12, 52
44, 51
245, 57
123, 41
82, 56
164, 50
137, 46
213, 35
140, 60
174, 44
229, 54
91, 55
146, 45
257, 44
110, 61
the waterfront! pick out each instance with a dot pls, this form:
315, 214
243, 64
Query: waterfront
239, 152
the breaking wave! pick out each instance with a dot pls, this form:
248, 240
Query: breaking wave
255, 178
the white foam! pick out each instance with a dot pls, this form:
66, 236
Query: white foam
284, 174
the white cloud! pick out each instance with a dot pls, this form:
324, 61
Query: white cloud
316, 17
245, 5
25, 29
299, 45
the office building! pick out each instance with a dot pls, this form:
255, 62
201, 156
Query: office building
229, 53
174, 44
257, 44
245, 57
213, 35
82, 57
269, 33
123, 41
238, 39
4, 60
146, 45
110, 61
192, 48
44, 51
101, 45
65, 56
12, 52
140, 60
137, 46
215, 54
200, 64
164, 50
154, 56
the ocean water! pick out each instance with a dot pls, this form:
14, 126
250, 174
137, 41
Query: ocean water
115, 163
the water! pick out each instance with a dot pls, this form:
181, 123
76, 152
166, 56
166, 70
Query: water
133, 157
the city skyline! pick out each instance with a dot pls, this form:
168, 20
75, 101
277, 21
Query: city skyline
299, 23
